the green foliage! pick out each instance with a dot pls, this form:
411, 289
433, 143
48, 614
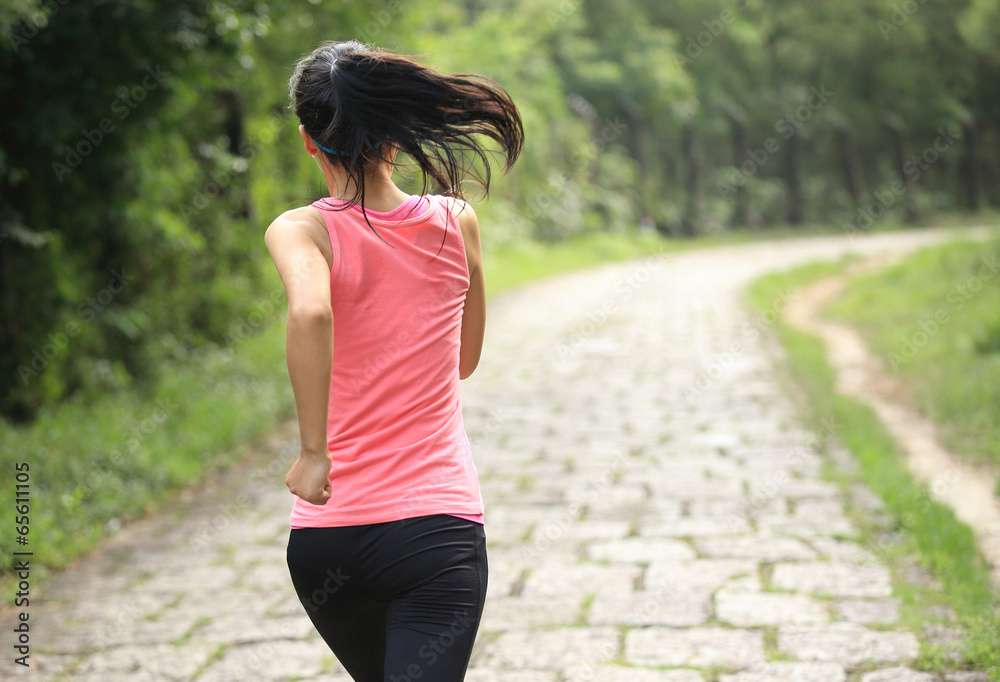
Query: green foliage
100, 151
631, 111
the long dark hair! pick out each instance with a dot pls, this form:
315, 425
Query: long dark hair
352, 98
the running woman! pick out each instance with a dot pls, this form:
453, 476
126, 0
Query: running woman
386, 313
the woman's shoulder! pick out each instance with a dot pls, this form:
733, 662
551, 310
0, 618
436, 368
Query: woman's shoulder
303, 214
468, 224
455, 205
461, 211
297, 222
307, 218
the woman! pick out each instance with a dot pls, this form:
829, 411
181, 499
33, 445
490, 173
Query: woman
386, 313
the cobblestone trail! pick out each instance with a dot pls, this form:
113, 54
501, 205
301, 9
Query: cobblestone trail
654, 512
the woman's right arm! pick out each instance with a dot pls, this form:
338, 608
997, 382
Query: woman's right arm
305, 271
474, 312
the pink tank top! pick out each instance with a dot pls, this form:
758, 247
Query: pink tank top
395, 429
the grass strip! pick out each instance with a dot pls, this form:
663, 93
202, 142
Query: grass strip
917, 526
934, 318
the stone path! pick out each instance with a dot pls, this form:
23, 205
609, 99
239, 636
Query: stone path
654, 512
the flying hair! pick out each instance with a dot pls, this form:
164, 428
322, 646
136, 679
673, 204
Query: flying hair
354, 99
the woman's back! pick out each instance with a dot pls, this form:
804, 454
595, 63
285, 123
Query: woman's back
395, 430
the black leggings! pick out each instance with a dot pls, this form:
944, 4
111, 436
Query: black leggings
398, 601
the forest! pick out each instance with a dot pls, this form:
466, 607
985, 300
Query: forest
145, 145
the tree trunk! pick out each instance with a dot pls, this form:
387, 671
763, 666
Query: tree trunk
901, 138
973, 168
853, 168
670, 168
642, 147
689, 149
793, 178
235, 130
741, 209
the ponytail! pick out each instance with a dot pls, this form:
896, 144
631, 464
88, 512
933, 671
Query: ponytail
352, 98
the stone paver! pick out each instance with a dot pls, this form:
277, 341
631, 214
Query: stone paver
897, 675
837, 579
654, 511
618, 673
695, 647
483, 675
551, 648
651, 607
749, 610
786, 672
868, 610
847, 643
759, 547
638, 550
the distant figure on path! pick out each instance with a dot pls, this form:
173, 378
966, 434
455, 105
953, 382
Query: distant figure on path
386, 313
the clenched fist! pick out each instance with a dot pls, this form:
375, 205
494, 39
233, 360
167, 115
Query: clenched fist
309, 478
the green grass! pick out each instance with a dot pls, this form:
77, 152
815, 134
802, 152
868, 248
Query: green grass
935, 320
919, 529
95, 464
528, 261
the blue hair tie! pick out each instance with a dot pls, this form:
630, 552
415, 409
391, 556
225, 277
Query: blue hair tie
327, 149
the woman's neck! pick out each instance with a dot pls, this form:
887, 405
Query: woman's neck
381, 193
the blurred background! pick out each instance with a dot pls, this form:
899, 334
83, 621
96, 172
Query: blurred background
146, 145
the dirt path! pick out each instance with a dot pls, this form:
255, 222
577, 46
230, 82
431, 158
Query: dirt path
966, 489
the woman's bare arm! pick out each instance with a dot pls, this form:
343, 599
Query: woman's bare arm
305, 273
474, 312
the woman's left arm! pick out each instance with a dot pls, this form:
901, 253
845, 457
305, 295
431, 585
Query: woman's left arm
305, 273
474, 308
